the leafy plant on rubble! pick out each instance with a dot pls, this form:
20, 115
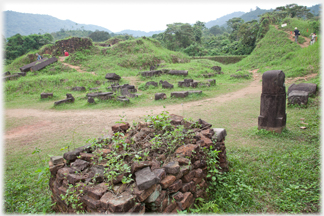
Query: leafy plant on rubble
72, 197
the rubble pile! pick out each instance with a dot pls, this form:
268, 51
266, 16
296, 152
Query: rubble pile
160, 165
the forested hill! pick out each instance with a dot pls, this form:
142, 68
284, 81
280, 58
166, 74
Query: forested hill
26, 24
222, 20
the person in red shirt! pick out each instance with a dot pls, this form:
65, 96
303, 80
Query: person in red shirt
66, 53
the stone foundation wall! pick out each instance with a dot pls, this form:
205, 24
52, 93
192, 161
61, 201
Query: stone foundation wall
124, 173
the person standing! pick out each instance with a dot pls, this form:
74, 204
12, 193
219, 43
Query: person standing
38, 56
296, 34
66, 53
313, 38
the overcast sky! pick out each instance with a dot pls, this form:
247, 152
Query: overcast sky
144, 15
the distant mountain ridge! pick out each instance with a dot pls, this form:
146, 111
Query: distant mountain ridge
26, 24
222, 20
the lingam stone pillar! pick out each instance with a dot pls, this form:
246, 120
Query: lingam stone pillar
273, 102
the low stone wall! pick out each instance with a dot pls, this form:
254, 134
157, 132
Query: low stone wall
134, 169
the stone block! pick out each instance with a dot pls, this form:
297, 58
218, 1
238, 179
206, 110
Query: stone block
189, 177
78, 88
46, 95
220, 134
160, 173
180, 94
145, 178
167, 181
212, 82
178, 72
177, 185
79, 165
117, 203
112, 76
186, 202
97, 191
190, 92
298, 97
120, 127
307, 87
155, 84
186, 150
172, 167
143, 194
57, 160
154, 195
139, 165
43, 64
159, 96
167, 85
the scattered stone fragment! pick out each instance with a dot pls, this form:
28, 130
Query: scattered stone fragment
91, 100
112, 76
180, 94
307, 87
298, 97
167, 85
178, 72
159, 96
46, 95
78, 88
69, 99
194, 92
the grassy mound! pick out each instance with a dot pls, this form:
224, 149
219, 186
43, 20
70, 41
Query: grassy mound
276, 52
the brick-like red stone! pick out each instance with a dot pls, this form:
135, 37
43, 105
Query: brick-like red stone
167, 181
185, 169
160, 173
208, 133
186, 150
175, 186
178, 196
97, 191
183, 161
186, 201
120, 127
121, 203
155, 165
198, 173
143, 194
197, 180
87, 156
139, 165
54, 168
170, 207
90, 202
187, 178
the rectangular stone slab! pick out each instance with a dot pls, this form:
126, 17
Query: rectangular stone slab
27, 67
43, 64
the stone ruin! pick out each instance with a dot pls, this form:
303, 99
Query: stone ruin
273, 102
132, 171
164, 71
298, 94
71, 45
112, 78
69, 99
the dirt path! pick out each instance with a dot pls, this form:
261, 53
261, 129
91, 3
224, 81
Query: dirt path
51, 120
77, 68
292, 38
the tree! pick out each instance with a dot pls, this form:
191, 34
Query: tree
178, 35
99, 36
235, 24
294, 10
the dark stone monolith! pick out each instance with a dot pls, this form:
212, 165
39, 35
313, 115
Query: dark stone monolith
273, 102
